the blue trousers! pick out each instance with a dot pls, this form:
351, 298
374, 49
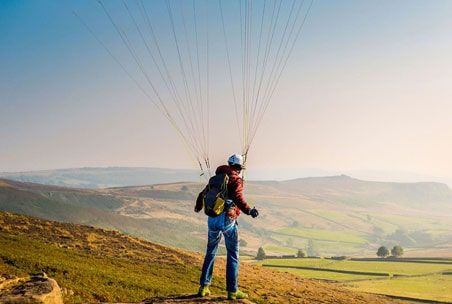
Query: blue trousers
222, 225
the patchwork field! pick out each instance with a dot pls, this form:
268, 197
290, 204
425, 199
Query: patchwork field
434, 287
426, 279
330, 216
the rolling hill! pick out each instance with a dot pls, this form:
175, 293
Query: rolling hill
93, 208
103, 177
326, 216
97, 265
346, 190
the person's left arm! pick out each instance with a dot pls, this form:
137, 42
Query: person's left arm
238, 197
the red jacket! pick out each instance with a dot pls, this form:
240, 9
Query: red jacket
235, 192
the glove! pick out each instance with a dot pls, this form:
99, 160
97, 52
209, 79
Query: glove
197, 210
254, 213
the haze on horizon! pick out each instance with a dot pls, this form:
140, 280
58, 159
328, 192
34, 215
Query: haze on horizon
367, 92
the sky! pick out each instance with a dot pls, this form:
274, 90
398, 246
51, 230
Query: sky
367, 91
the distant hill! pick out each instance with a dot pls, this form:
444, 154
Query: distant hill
340, 189
90, 207
95, 265
104, 177
347, 190
328, 216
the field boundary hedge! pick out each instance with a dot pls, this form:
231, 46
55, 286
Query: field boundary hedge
381, 274
404, 260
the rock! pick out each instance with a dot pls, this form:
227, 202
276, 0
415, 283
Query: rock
40, 275
35, 289
8, 281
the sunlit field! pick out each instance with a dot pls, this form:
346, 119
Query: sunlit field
428, 279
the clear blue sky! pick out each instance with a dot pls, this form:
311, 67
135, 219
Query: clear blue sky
368, 88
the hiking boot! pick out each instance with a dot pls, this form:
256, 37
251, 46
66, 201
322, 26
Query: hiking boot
236, 295
203, 291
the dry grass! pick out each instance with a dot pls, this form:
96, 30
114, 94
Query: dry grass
127, 267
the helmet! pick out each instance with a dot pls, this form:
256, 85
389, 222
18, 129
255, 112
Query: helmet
236, 160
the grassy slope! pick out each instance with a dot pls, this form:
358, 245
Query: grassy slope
91, 208
100, 265
317, 234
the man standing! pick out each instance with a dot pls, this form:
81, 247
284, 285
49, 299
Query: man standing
226, 224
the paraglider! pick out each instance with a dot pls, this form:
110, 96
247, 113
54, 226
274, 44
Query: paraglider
170, 46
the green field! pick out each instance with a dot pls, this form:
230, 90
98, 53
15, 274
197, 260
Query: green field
279, 249
425, 282
402, 268
435, 287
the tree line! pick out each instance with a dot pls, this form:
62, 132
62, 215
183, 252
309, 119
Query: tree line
382, 252
396, 251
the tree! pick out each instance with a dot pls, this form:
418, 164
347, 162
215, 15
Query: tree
382, 252
260, 254
397, 251
301, 253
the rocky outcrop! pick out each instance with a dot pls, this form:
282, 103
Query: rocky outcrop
35, 289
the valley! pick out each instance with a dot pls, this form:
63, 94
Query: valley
330, 216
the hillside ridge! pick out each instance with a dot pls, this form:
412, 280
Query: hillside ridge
106, 266
117, 176
343, 216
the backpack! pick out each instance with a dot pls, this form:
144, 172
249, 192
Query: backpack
214, 199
